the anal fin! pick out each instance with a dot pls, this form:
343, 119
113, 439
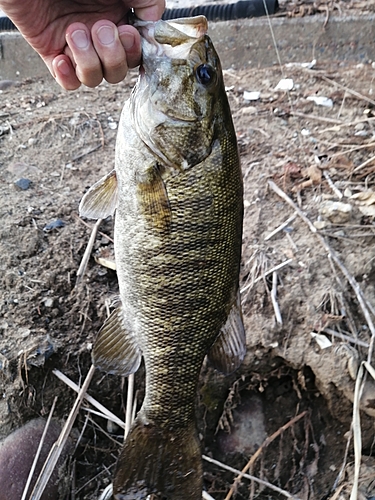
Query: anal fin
100, 201
229, 349
116, 350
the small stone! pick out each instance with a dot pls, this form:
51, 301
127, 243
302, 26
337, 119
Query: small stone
48, 302
336, 212
23, 183
320, 224
54, 225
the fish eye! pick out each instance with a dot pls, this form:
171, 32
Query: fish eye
205, 74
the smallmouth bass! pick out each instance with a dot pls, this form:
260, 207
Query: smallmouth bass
178, 195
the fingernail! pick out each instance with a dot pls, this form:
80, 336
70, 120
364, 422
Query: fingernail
106, 35
127, 40
63, 67
80, 39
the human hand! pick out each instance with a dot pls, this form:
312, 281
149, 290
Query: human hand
83, 41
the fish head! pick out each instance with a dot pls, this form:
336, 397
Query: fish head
175, 103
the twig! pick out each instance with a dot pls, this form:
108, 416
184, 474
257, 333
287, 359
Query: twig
341, 471
351, 150
281, 227
264, 445
342, 336
86, 255
364, 164
286, 198
349, 90
292, 244
109, 415
36, 458
337, 192
317, 118
346, 124
79, 219
276, 268
357, 290
252, 478
57, 448
85, 153
275, 304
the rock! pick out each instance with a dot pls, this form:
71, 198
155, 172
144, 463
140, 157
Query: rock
336, 212
54, 225
23, 183
17, 453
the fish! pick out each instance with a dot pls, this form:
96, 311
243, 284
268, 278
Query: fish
177, 194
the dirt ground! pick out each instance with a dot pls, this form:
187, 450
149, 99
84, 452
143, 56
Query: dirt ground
307, 288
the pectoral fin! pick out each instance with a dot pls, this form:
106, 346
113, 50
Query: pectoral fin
115, 350
229, 349
154, 202
100, 201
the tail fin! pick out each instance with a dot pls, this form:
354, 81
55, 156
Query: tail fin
158, 461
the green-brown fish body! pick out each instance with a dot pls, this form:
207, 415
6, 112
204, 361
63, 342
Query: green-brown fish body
177, 188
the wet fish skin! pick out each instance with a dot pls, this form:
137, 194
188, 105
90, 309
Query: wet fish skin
177, 187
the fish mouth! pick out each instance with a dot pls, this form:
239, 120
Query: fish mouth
171, 39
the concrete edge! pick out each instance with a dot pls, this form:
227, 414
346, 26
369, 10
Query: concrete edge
241, 43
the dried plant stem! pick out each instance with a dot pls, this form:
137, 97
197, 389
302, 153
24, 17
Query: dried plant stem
36, 458
106, 413
281, 227
347, 89
317, 118
264, 445
129, 404
86, 255
275, 304
286, 198
252, 478
364, 164
270, 271
90, 227
351, 150
57, 448
342, 336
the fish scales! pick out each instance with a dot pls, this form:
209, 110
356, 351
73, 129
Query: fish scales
178, 232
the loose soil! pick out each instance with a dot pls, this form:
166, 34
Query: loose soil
306, 329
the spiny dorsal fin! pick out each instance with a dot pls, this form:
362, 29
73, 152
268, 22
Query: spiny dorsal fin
100, 201
154, 202
115, 350
229, 349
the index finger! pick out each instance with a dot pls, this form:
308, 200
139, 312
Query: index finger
148, 10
